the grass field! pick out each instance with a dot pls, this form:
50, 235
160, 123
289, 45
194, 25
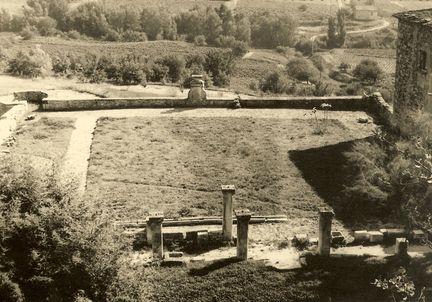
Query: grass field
178, 164
334, 279
45, 140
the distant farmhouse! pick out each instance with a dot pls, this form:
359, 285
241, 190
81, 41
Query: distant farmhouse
365, 13
414, 61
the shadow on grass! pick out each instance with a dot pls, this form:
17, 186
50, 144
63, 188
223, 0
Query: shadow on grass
325, 170
213, 266
177, 110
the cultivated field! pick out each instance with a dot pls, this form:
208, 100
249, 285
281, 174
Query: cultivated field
316, 10
386, 58
176, 165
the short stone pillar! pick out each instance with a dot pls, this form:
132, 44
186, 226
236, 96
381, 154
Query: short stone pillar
197, 91
243, 218
154, 232
401, 247
228, 191
324, 239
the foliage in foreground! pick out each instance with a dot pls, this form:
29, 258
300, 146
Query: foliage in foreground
392, 174
54, 247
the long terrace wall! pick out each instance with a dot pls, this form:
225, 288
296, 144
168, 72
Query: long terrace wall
374, 104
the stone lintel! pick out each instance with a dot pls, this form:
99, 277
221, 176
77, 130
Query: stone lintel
197, 76
228, 188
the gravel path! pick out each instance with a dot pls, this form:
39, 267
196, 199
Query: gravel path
76, 159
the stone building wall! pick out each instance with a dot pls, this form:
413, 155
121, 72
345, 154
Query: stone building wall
413, 85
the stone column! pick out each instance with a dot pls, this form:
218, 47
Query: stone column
401, 248
325, 224
154, 232
228, 191
243, 218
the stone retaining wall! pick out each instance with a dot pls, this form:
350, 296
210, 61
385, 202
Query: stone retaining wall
374, 104
338, 103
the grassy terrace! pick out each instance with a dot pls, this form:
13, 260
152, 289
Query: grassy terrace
177, 165
334, 279
45, 139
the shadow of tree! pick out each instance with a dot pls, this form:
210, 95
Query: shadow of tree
326, 170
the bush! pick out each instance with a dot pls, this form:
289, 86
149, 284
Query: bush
275, 82
220, 64
61, 65
200, 40
158, 72
27, 33
304, 46
54, 245
23, 65
46, 26
131, 73
368, 70
301, 69
134, 36
9, 291
175, 64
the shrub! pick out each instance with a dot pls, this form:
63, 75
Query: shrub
220, 64
200, 40
46, 26
239, 48
175, 64
61, 64
158, 72
54, 245
23, 65
368, 70
131, 73
134, 36
27, 33
275, 82
9, 291
301, 69
305, 46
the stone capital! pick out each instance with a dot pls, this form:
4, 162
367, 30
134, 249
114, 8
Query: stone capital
228, 189
243, 214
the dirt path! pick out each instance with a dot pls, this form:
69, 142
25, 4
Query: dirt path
384, 24
76, 159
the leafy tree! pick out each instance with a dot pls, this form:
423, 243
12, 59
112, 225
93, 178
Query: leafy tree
220, 64
158, 25
275, 82
5, 20
52, 245
23, 65
301, 69
341, 32
332, 40
46, 26
212, 26
228, 20
124, 19
270, 31
242, 28
368, 70
90, 19
175, 65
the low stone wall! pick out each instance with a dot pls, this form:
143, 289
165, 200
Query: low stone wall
10, 120
338, 103
374, 104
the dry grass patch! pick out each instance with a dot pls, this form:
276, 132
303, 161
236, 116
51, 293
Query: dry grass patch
177, 165
44, 138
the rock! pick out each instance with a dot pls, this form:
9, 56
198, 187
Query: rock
376, 237
363, 120
418, 235
361, 236
30, 117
